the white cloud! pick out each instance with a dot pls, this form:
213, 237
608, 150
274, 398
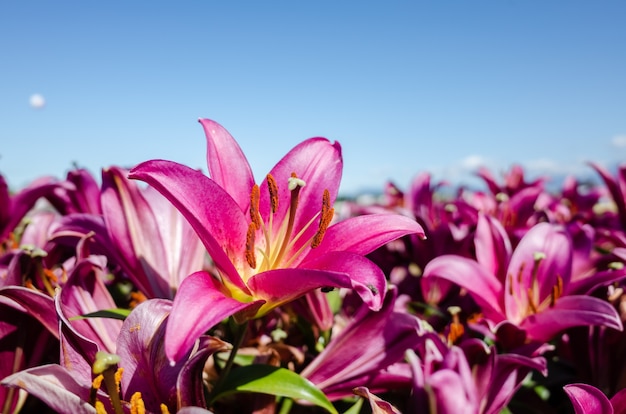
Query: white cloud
37, 101
619, 141
473, 162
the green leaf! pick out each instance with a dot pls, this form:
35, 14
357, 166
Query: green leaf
116, 313
271, 380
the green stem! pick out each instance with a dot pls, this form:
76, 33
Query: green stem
240, 334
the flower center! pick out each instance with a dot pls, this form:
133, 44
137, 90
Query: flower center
533, 292
105, 370
276, 248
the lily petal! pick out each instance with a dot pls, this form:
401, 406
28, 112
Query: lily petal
587, 399
228, 166
526, 270
211, 211
364, 234
568, 312
133, 226
484, 287
199, 305
55, 386
140, 347
319, 164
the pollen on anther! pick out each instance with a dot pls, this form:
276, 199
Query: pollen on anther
327, 215
272, 188
254, 206
250, 256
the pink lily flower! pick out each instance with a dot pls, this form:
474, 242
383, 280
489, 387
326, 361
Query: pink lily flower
271, 243
531, 288
13, 207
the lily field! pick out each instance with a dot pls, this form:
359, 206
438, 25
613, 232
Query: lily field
167, 289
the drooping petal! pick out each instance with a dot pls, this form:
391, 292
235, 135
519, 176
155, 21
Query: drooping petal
133, 228
587, 399
189, 384
55, 386
35, 304
366, 278
484, 287
568, 312
335, 270
184, 250
387, 335
365, 233
210, 210
228, 166
140, 348
200, 304
78, 352
84, 293
377, 404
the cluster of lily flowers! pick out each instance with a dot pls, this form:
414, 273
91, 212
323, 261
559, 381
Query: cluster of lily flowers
163, 289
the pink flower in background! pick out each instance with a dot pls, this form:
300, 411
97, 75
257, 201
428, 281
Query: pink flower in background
529, 289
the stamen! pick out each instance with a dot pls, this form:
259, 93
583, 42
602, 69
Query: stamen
164, 409
456, 327
325, 219
100, 408
531, 303
273, 190
557, 290
137, 405
254, 206
250, 255
95, 386
295, 184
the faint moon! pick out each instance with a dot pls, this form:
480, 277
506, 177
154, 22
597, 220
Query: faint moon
37, 101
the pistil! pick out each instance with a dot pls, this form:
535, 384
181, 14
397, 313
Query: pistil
105, 365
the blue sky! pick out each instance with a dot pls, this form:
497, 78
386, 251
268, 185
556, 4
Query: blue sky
404, 86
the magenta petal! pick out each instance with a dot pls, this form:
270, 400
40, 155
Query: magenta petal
140, 347
13, 208
280, 286
587, 399
568, 312
55, 386
212, 212
366, 278
133, 228
364, 234
493, 247
228, 166
189, 383
199, 305
339, 269
618, 401
556, 246
318, 162
35, 304
446, 383
484, 287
